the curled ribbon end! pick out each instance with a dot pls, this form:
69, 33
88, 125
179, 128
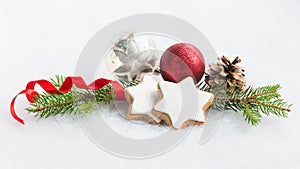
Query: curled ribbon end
18, 118
22, 122
12, 109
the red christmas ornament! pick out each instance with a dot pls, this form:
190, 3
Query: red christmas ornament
180, 61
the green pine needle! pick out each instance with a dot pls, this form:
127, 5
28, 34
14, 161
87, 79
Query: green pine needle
126, 84
76, 101
251, 102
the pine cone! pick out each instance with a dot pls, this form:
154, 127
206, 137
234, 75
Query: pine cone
226, 71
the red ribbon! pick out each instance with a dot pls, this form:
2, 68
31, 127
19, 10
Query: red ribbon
65, 88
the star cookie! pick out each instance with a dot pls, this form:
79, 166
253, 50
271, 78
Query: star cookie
182, 104
142, 98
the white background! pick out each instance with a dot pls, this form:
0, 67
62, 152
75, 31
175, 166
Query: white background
41, 38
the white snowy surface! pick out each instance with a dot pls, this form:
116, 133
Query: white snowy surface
42, 38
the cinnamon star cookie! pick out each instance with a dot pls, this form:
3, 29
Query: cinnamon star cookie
182, 104
142, 98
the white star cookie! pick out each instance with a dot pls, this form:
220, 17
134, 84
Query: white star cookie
142, 98
182, 104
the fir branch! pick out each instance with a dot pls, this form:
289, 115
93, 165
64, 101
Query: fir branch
126, 84
58, 80
251, 102
76, 101
104, 95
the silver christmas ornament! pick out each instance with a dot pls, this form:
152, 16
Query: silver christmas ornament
136, 59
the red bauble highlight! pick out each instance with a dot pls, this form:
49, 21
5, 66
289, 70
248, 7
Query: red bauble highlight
180, 61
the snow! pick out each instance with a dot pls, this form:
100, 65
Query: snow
40, 39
